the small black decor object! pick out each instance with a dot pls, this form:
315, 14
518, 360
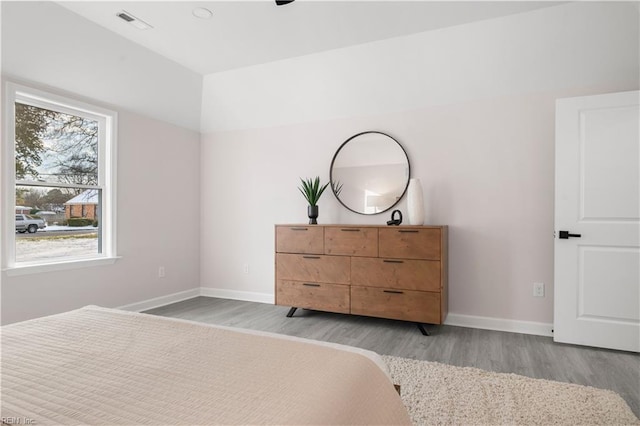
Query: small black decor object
393, 220
311, 190
283, 2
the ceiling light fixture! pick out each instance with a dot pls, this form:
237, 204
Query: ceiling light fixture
136, 22
283, 2
202, 13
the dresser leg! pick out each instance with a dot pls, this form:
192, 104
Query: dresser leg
291, 312
422, 330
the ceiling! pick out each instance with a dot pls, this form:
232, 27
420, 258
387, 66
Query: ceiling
244, 33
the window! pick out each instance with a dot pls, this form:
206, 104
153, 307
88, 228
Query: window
60, 178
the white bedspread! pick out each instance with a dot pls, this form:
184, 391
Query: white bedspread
103, 366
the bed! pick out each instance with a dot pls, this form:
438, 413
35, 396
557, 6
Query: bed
104, 366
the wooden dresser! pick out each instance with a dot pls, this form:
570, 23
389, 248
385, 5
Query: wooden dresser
396, 272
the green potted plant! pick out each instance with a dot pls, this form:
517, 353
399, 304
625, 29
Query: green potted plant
311, 190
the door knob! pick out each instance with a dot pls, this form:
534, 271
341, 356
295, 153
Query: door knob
564, 235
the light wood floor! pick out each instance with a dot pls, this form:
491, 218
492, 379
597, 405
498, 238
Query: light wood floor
533, 356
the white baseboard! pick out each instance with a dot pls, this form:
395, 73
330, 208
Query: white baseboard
247, 296
161, 301
500, 324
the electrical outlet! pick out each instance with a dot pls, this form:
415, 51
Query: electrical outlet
538, 289
161, 272
245, 268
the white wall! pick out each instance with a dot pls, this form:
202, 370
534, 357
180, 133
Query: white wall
474, 106
574, 45
46, 43
158, 190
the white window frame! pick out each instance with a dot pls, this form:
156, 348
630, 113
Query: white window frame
107, 142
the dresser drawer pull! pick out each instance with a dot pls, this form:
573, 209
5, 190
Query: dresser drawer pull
350, 229
393, 261
299, 229
413, 231
394, 291
311, 257
311, 285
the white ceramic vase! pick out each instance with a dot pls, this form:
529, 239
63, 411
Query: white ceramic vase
415, 202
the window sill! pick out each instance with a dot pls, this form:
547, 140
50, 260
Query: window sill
60, 266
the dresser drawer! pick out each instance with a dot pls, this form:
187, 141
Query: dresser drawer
313, 268
308, 295
300, 239
410, 243
407, 305
351, 241
395, 273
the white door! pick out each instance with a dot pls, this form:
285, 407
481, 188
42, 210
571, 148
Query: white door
597, 196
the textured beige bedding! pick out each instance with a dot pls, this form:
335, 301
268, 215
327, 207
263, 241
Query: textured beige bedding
103, 366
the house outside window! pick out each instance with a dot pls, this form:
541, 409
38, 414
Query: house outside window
84, 205
60, 162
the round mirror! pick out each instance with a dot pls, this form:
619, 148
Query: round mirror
369, 173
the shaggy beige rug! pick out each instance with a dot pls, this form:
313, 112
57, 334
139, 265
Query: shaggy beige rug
436, 393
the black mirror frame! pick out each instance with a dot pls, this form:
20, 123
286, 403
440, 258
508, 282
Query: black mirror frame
334, 159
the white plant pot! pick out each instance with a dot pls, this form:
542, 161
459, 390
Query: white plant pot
415, 202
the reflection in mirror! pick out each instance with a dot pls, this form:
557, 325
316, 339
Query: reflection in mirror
370, 173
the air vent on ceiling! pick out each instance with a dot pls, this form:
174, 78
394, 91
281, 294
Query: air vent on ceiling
125, 17
136, 22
